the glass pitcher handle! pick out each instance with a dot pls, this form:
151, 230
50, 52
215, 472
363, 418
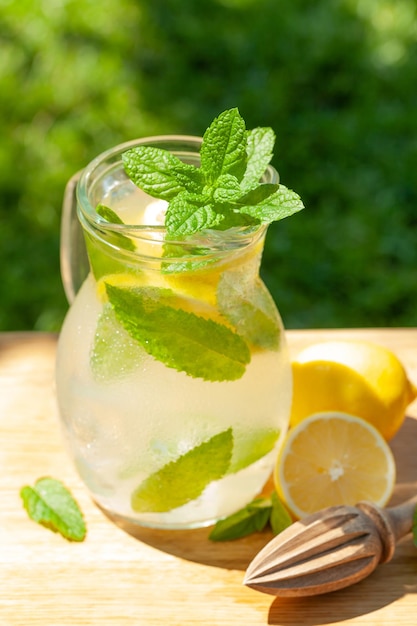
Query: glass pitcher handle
73, 255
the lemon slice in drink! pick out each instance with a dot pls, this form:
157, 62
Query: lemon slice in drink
357, 377
195, 285
126, 281
332, 459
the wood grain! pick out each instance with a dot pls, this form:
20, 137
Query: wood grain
131, 576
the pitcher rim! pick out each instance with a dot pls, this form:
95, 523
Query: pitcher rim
239, 235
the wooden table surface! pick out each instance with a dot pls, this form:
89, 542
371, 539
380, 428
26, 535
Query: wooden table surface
144, 577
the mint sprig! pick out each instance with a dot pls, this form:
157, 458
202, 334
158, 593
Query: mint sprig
225, 191
50, 504
253, 518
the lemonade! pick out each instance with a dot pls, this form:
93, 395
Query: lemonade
173, 377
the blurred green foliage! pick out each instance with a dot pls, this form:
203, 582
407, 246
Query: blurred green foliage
335, 79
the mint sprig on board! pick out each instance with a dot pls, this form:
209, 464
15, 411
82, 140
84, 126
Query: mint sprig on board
254, 517
225, 191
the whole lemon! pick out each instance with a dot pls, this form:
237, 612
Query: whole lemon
356, 377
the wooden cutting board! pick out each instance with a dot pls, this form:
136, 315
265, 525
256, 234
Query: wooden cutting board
134, 576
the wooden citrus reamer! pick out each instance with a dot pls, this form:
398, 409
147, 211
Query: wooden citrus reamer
329, 550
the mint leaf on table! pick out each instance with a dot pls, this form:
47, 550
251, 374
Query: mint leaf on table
185, 479
252, 518
50, 504
178, 338
225, 191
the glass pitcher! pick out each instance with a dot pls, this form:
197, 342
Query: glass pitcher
173, 376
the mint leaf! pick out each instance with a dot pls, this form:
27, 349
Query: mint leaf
108, 214
257, 195
189, 176
281, 204
260, 144
160, 173
50, 504
178, 338
280, 518
223, 150
251, 310
191, 261
252, 447
114, 353
101, 262
234, 219
252, 518
118, 239
184, 479
227, 189
187, 214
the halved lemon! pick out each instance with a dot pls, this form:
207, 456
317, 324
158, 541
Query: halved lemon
331, 459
